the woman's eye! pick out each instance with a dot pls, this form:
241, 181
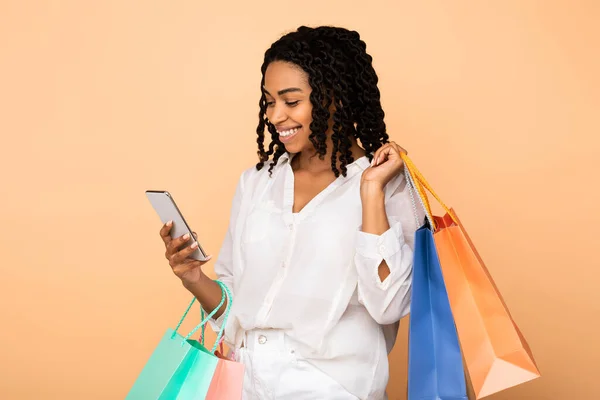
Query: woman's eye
288, 103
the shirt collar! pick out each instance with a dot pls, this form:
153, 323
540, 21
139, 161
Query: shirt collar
285, 157
362, 162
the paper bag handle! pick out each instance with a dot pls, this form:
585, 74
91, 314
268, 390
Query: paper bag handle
420, 184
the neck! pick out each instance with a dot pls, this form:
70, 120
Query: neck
309, 160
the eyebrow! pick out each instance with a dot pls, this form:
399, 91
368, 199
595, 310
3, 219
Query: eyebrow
284, 91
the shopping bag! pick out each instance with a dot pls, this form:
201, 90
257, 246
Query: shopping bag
180, 368
227, 382
435, 366
497, 355
228, 379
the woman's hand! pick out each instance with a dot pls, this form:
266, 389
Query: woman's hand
387, 163
178, 251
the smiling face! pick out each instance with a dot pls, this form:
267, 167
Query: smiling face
288, 104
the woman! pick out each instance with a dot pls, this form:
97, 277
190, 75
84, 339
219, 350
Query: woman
318, 254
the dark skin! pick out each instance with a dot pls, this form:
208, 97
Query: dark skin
309, 182
290, 111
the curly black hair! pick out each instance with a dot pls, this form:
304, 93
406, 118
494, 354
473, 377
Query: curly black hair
339, 70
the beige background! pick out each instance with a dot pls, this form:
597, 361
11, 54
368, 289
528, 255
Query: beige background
496, 101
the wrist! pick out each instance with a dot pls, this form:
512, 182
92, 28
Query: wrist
195, 286
374, 215
371, 191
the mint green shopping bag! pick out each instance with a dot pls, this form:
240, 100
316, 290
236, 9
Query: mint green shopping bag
180, 368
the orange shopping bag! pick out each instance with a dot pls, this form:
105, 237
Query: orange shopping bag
497, 355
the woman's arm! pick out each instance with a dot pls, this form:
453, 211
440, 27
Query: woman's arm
384, 254
208, 293
375, 219
384, 243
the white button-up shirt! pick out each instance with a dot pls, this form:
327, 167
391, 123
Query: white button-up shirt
314, 274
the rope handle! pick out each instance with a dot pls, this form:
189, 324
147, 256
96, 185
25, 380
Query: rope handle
201, 340
411, 189
201, 323
220, 335
224, 295
421, 185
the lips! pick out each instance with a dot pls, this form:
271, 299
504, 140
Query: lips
288, 131
286, 136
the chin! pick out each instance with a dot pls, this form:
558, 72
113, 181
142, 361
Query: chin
290, 148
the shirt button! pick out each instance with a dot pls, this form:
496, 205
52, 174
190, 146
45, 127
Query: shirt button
262, 339
382, 249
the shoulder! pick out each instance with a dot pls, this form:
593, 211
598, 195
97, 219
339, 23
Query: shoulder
251, 176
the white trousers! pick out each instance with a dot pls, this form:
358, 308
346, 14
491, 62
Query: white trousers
275, 372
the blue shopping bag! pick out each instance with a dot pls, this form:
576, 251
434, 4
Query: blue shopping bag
435, 365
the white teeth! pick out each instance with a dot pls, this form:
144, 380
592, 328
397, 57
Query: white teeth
288, 133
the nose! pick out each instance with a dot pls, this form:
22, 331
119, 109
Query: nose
276, 114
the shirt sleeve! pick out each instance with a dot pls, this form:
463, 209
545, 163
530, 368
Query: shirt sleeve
224, 264
389, 300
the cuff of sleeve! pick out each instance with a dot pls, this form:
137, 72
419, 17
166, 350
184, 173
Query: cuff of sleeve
219, 320
380, 246
215, 324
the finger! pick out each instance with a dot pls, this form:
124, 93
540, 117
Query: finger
375, 157
396, 154
399, 148
182, 255
195, 235
384, 155
181, 269
165, 232
397, 151
377, 154
175, 245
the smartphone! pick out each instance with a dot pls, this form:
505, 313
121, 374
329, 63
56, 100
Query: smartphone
167, 210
